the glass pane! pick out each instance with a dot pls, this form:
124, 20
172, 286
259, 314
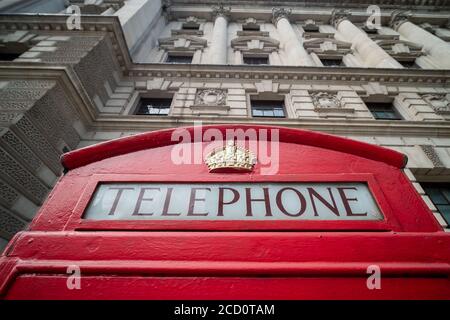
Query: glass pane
153, 110
164, 111
445, 211
279, 112
446, 193
257, 113
436, 196
268, 113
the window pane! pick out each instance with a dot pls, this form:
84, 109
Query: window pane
439, 194
279, 112
332, 62
150, 106
268, 113
383, 111
436, 196
152, 110
257, 112
179, 59
164, 111
256, 60
445, 211
267, 108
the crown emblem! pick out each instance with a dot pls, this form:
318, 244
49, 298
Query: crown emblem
230, 157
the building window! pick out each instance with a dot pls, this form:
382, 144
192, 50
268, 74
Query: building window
265, 108
439, 194
9, 56
250, 27
186, 26
176, 58
157, 107
383, 111
410, 64
256, 60
332, 62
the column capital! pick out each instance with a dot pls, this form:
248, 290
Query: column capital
279, 13
221, 11
339, 15
398, 17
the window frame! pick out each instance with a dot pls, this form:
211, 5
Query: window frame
370, 107
426, 186
178, 54
260, 56
143, 98
268, 101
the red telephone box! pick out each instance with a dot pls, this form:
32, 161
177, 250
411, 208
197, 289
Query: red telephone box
138, 225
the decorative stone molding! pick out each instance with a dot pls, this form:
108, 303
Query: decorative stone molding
279, 13
375, 90
210, 102
431, 154
97, 6
268, 86
157, 84
10, 224
401, 48
327, 46
329, 105
325, 100
398, 17
190, 21
221, 11
182, 42
428, 27
310, 25
338, 15
438, 101
210, 97
255, 44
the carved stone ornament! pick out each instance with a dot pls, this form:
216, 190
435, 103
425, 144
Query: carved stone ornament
431, 153
438, 101
398, 17
338, 15
221, 11
211, 97
279, 13
325, 100
310, 25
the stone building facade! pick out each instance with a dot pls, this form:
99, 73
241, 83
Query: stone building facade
139, 65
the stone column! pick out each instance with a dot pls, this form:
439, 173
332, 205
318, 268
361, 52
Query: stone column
295, 51
371, 53
218, 50
437, 49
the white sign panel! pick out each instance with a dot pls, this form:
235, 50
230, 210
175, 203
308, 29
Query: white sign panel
233, 201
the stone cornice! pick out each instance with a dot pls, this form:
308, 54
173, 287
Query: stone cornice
221, 11
243, 73
95, 121
338, 15
111, 26
279, 13
64, 75
409, 4
338, 126
398, 18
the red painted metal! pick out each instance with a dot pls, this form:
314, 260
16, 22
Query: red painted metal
230, 259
